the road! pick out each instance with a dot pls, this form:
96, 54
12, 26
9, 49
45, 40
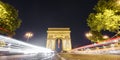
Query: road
15, 57
67, 56
63, 56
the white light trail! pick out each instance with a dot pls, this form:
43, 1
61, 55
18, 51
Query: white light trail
27, 48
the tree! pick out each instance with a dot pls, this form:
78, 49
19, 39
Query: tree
106, 16
9, 20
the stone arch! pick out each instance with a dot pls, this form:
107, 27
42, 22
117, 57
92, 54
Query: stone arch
59, 33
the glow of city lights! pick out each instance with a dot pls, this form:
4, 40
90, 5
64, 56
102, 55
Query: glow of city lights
88, 34
105, 37
115, 40
28, 35
118, 2
114, 51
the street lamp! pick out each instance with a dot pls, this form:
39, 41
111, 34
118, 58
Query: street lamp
28, 35
88, 34
105, 37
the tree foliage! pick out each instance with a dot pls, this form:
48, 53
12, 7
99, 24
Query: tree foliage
9, 20
104, 21
106, 16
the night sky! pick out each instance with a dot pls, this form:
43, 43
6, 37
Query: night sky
37, 16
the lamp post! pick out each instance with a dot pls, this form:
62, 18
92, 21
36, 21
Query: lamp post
105, 37
28, 35
88, 34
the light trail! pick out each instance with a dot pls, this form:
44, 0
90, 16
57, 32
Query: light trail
110, 46
22, 47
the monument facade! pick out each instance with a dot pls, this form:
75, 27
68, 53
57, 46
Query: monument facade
59, 38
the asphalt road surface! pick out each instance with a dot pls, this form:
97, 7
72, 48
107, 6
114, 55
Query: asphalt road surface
63, 56
67, 56
16, 57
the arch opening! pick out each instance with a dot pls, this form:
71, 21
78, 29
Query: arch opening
58, 45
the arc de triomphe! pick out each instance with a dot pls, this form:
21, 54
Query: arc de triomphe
57, 36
